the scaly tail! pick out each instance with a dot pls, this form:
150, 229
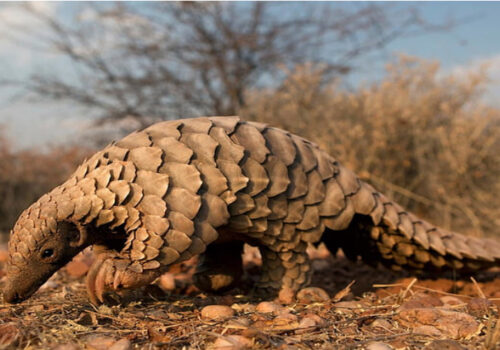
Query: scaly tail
381, 230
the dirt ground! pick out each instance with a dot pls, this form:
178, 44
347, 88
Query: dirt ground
350, 306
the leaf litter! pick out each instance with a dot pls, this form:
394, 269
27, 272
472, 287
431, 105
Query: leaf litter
381, 310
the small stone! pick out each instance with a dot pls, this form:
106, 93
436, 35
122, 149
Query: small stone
100, 343
449, 300
167, 281
312, 295
217, 312
122, 344
378, 346
50, 284
232, 342
446, 344
268, 307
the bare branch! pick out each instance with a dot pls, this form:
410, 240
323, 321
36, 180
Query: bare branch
187, 58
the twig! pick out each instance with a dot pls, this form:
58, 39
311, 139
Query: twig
408, 288
479, 291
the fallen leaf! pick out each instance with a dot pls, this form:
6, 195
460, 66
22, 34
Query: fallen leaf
420, 300
9, 334
456, 325
312, 295
343, 293
479, 307
444, 344
77, 268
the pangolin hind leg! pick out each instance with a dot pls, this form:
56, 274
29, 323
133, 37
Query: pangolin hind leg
220, 268
354, 241
284, 271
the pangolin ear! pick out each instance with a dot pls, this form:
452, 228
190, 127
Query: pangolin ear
76, 233
81, 237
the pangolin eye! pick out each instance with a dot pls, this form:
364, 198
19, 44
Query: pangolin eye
47, 253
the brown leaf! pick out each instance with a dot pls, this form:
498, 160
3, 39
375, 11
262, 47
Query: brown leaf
444, 344
479, 307
77, 268
452, 324
312, 295
9, 334
420, 300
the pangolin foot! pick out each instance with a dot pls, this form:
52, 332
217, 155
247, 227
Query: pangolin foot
111, 273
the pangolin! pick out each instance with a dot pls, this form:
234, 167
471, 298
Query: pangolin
206, 186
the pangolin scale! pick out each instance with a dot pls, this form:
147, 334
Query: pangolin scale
207, 185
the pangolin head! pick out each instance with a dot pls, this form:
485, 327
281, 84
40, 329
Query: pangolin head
39, 245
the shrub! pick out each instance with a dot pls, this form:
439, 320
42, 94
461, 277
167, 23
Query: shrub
27, 175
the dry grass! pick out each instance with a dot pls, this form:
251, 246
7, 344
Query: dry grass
420, 137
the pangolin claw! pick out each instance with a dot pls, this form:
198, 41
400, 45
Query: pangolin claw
110, 273
103, 276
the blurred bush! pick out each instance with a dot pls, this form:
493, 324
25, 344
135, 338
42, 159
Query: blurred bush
26, 175
421, 137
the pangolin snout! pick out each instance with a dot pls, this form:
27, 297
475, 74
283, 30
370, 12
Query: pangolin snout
12, 297
15, 291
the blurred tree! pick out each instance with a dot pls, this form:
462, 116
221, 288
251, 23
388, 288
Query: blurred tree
181, 59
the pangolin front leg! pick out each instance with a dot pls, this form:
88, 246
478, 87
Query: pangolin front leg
112, 272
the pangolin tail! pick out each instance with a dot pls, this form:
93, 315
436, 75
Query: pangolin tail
400, 240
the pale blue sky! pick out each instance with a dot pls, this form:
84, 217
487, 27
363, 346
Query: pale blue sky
467, 45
